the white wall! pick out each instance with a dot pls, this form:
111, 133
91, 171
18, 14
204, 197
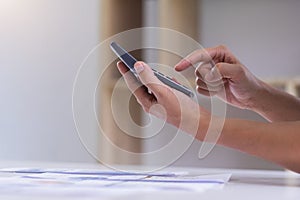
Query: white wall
264, 34
42, 44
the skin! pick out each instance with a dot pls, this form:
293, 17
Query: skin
218, 69
242, 88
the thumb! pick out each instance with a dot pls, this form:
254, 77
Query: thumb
224, 70
147, 77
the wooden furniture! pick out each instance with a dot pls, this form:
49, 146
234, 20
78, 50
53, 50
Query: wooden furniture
117, 16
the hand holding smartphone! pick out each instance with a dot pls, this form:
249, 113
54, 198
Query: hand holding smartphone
129, 61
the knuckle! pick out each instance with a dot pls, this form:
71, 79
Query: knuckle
218, 65
197, 73
223, 47
240, 70
198, 81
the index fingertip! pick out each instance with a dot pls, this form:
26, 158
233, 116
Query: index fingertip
183, 64
177, 67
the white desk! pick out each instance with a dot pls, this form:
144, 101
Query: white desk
244, 184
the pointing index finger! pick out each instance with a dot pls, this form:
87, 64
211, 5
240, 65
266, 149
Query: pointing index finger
200, 55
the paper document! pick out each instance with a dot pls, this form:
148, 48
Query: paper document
83, 182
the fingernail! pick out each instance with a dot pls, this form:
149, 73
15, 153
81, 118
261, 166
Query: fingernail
182, 62
177, 65
139, 67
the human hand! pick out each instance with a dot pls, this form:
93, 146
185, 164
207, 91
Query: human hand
221, 73
164, 102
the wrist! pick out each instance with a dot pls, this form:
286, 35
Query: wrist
209, 126
261, 97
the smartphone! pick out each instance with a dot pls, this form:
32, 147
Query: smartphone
129, 61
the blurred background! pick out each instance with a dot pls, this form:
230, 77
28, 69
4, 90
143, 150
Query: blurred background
43, 43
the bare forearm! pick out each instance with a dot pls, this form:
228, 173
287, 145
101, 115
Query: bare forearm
276, 105
276, 142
